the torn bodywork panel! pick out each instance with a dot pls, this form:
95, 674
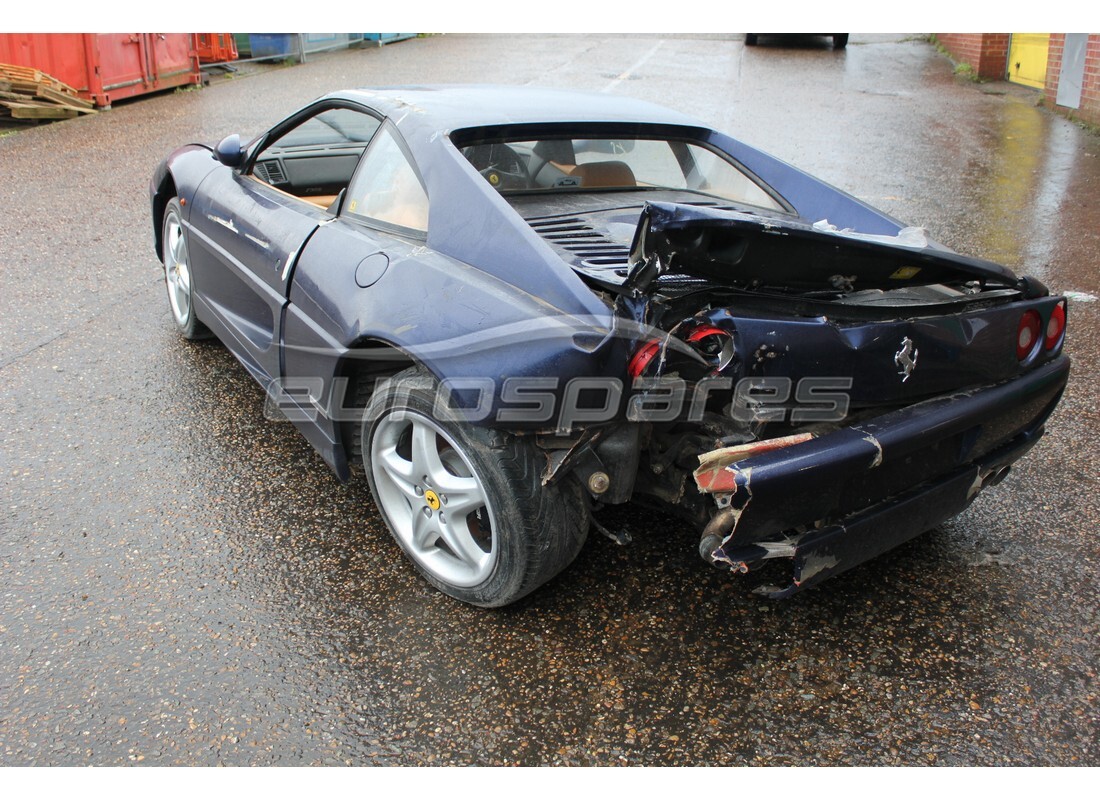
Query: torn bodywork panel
752, 250
715, 475
836, 500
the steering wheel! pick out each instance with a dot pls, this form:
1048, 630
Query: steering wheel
500, 165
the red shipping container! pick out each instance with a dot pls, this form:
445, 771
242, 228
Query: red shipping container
104, 67
215, 47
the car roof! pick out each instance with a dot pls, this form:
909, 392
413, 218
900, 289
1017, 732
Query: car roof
446, 108
468, 219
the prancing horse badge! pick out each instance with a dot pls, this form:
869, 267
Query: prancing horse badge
906, 358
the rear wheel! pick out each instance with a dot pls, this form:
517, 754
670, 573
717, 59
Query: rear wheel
750, 39
466, 504
840, 41
177, 274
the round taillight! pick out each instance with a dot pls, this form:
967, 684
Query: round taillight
642, 358
1027, 336
1056, 326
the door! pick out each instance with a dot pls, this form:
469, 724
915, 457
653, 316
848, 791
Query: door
245, 237
1027, 59
129, 64
170, 54
122, 60
249, 225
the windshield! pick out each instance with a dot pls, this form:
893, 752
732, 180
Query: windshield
608, 164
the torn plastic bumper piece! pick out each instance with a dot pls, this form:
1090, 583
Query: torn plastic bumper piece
826, 552
833, 502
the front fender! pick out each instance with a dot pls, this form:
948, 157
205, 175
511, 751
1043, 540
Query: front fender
178, 175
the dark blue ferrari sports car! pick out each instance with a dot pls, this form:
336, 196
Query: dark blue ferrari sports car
512, 307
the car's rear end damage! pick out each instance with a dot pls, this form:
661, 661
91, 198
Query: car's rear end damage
834, 501
841, 393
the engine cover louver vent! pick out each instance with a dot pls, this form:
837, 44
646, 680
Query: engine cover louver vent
597, 245
585, 246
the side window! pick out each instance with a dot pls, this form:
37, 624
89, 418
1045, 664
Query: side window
386, 188
315, 159
711, 173
337, 126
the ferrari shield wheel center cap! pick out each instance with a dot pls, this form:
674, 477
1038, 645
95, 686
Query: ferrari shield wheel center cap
432, 500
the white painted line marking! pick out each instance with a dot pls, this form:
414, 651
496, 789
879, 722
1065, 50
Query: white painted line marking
632, 69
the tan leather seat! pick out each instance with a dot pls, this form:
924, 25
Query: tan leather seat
604, 173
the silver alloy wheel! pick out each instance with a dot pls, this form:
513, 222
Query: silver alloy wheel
177, 272
433, 499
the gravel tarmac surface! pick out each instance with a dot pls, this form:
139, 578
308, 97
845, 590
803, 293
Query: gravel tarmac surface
186, 583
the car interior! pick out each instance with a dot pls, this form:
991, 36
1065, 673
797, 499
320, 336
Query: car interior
550, 164
315, 160
575, 164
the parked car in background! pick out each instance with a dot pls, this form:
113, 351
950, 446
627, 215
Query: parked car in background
840, 40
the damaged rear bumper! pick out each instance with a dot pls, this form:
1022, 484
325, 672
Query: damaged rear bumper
833, 502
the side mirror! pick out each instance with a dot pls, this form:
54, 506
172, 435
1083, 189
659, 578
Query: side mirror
229, 151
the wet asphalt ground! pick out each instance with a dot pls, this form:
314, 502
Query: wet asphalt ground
185, 582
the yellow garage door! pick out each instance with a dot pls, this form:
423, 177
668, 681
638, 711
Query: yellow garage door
1027, 59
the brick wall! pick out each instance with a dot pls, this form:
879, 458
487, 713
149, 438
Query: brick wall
987, 53
1054, 67
1090, 93
1089, 110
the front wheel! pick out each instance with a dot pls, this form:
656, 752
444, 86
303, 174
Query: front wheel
466, 504
840, 41
177, 274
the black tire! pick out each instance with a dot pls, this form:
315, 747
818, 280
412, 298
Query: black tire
178, 279
840, 41
750, 39
533, 531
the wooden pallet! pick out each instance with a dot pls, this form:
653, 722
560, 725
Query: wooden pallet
31, 75
30, 94
37, 110
59, 97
